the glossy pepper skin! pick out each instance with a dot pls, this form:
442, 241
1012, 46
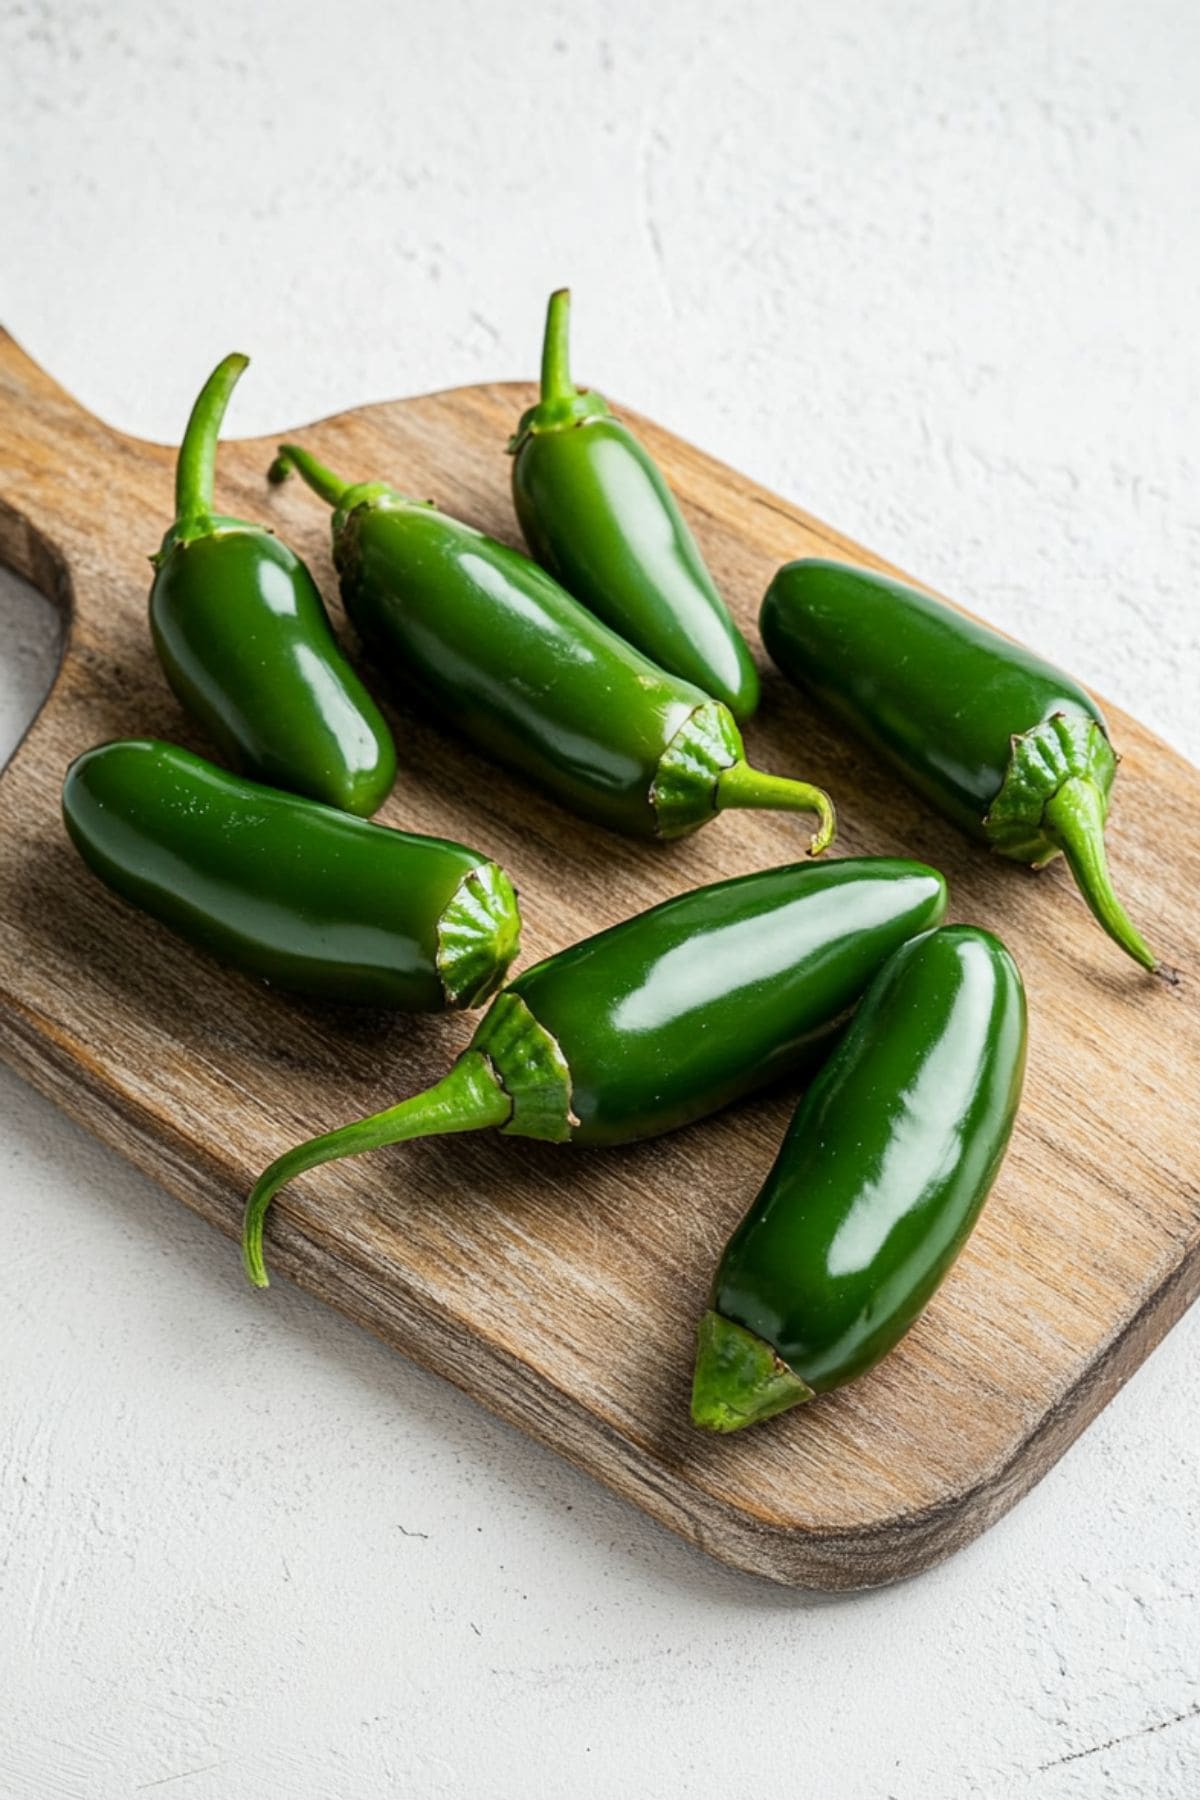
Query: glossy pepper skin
303, 896
491, 643
660, 1020
246, 644
998, 740
598, 514
877, 1187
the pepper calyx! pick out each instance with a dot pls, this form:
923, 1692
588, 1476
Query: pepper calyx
562, 413
684, 793
203, 525
1054, 751
367, 495
1054, 799
530, 1067
740, 1379
351, 511
478, 935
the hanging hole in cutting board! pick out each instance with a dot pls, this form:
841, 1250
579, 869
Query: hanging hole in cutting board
31, 628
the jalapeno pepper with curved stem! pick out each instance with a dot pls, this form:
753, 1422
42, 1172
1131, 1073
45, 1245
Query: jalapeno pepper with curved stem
494, 645
246, 644
598, 514
659, 1020
877, 1187
302, 895
1001, 742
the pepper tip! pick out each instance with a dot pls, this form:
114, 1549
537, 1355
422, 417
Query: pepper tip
739, 1378
257, 1202
826, 830
252, 1251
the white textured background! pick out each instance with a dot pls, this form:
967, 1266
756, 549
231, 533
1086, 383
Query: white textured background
933, 271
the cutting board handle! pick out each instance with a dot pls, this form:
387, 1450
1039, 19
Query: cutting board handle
39, 430
70, 490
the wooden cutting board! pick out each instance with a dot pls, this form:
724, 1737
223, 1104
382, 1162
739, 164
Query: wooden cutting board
561, 1287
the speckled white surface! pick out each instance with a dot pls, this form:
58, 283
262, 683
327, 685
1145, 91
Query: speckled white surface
933, 271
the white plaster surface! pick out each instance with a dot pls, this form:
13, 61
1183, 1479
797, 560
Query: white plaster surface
933, 271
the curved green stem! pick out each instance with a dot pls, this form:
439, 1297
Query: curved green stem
321, 480
1074, 820
561, 405
197, 462
742, 786
739, 1378
556, 348
468, 1098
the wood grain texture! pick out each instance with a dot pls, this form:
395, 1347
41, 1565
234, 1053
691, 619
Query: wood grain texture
561, 1287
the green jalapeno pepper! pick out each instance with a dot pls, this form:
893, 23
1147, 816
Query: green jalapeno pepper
659, 1020
1001, 742
302, 895
598, 514
877, 1187
246, 644
493, 644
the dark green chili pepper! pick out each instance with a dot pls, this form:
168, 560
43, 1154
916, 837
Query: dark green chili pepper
246, 644
1004, 744
598, 514
303, 895
500, 650
878, 1184
657, 1021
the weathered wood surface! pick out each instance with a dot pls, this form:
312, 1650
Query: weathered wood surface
559, 1287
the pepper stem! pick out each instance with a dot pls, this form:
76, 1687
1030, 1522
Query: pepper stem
739, 1378
196, 467
556, 349
468, 1098
321, 480
1074, 820
742, 786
